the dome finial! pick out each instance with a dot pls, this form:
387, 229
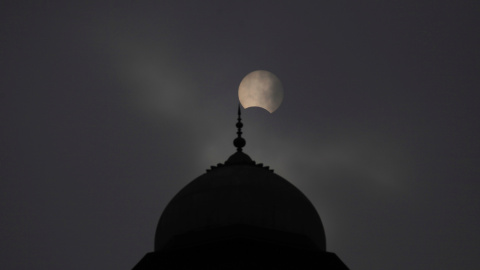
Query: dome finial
239, 142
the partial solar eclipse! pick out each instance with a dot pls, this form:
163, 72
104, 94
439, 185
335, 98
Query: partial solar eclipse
262, 89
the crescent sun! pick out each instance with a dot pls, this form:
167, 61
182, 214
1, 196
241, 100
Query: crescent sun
262, 89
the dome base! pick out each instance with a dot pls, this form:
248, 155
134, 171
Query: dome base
241, 233
240, 247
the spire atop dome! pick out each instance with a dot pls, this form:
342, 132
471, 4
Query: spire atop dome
239, 142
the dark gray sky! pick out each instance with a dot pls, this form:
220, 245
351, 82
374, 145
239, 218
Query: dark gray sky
107, 110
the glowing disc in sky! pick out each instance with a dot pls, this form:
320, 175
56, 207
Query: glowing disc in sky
262, 89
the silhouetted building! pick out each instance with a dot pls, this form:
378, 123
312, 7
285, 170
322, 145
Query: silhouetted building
240, 215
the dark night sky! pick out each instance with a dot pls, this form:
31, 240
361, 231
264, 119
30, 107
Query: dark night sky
107, 110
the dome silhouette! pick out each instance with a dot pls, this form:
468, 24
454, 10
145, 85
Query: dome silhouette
239, 215
240, 193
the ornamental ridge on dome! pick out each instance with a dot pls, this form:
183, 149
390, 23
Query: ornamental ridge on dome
239, 158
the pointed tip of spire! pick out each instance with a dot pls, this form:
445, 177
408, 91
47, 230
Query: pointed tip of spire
239, 142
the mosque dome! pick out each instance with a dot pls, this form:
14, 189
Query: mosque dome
240, 200
240, 193
239, 215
